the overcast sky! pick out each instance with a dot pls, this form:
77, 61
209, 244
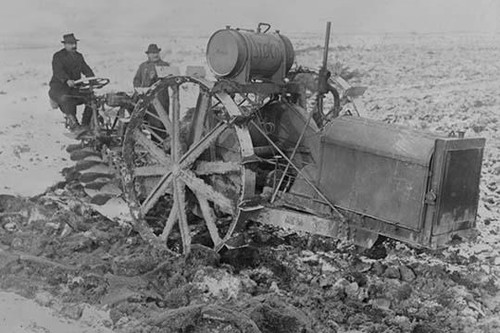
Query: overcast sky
37, 17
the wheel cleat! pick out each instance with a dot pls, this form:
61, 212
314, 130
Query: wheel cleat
72, 147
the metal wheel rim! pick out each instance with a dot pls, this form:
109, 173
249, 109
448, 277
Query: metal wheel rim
178, 169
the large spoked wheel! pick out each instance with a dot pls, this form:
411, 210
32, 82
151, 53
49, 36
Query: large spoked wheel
184, 156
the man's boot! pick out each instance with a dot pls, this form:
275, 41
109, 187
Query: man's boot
71, 122
87, 116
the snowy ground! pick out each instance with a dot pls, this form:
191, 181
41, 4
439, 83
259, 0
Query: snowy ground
433, 82
22, 315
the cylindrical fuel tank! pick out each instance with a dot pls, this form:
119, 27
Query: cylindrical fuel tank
229, 51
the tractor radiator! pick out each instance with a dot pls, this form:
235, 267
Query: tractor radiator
406, 184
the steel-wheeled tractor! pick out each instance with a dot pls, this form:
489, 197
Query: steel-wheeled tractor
271, 142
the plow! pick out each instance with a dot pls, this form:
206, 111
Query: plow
269, 141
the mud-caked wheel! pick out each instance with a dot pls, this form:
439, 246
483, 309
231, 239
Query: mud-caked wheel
184, 158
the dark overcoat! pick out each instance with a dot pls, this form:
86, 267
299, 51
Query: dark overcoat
66, 66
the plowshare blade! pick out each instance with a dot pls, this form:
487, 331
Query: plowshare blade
105, 189
100, 168
82, 153
84, 164
70, 174
97, 185
101, 199
91, 176
72, 147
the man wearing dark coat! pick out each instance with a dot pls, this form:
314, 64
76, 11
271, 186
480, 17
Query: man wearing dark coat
147, 75
68, 65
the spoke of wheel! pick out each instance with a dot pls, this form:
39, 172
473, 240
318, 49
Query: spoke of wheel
180, 201
159, 190
165, 141
217, 167
202, 189
157, 129
155, 151
151, 170
210, 219
172, 218
175, 128
199, 147
152, 130
153, 115
162, 114
202, 106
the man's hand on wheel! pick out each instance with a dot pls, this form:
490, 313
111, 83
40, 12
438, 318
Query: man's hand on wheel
90, 83
70, 83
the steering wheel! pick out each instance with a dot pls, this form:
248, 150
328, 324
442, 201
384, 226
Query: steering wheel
90, 83
330, 100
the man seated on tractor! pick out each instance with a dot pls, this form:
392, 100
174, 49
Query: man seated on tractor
67, 67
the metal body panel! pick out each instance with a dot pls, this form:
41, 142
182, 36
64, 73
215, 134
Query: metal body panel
457, 170
376, 170
375, 137
378, 186
406, 184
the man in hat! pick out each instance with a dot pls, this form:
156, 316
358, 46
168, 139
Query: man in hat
68, 66
146, 74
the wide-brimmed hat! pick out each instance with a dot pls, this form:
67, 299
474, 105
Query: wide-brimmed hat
69, 39
153, 48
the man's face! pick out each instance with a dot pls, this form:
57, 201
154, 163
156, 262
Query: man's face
153, 56
70, 47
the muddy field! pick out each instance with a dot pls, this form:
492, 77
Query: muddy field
98, 276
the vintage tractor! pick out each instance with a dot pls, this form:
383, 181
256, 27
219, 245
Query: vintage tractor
275, 143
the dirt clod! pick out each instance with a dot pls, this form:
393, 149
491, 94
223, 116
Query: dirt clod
72, 311
407, 273
272, 315
392, 272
